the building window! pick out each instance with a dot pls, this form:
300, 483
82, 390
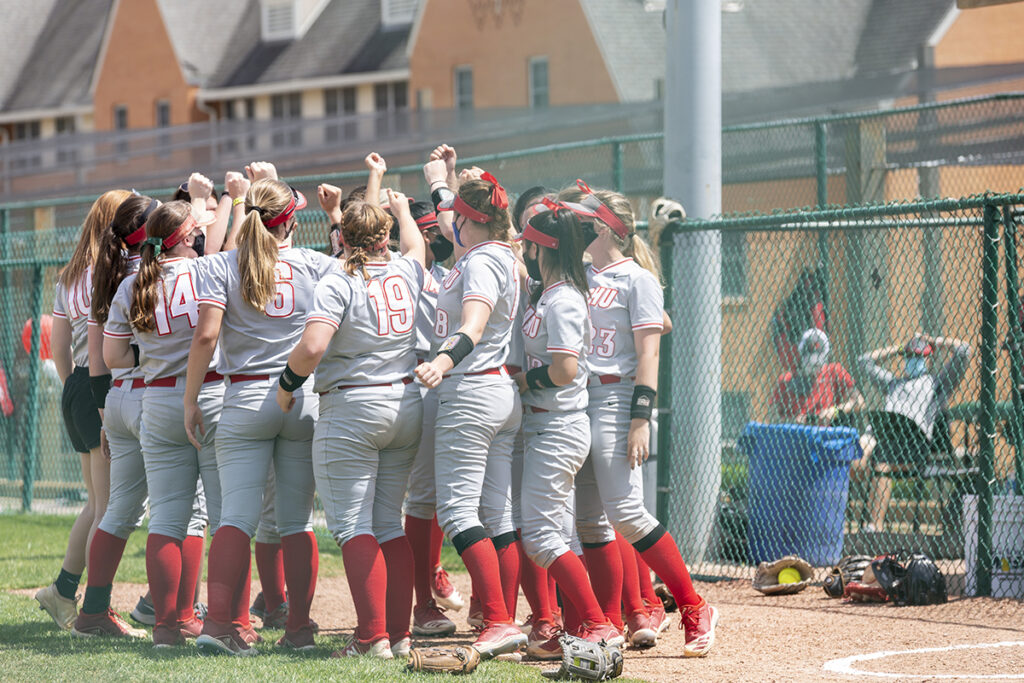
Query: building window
25, 132
734, 264
539, 82
464, 87
163, 114
340, 103
735, 414
391, 101
120, 125
66, 152
287, 108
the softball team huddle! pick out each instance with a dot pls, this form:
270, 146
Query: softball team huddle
504, 403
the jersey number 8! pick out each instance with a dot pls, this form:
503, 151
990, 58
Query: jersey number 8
393, 303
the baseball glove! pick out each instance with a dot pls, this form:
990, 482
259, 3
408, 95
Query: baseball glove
850, 568
668, 601
865, 592
766, 578
457, 659
582, 659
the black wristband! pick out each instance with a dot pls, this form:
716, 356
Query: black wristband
442, 195
540, 378
135, 352
643, 402
457, 347
100, 386
290, 381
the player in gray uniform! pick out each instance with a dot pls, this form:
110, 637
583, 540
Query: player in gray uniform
255, 299
626, 310
159, 308
359, 337
556, 431
433, 590
81, 416
478, 411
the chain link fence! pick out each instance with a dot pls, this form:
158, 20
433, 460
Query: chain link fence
731, 474
870, 391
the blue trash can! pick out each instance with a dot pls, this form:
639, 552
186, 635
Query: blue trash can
799, 483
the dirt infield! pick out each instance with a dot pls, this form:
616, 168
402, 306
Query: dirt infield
784, 638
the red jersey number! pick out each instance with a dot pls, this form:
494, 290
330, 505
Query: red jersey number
394, 305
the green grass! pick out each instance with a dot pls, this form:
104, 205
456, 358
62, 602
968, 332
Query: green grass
34, 547
32, 649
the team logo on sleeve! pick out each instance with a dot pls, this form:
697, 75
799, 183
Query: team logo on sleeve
602, 297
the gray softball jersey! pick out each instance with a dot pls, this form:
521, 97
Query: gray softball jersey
74, 304
375, 323
164, 351
487, 273
259, 341
426, 311
558, 324
123, 373
624, 298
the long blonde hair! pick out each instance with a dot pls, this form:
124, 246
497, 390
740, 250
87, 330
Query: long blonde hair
632, 245
365, 229
257, 244
477, 193
162, 223
88, 247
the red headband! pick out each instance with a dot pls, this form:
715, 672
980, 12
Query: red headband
297, 202
140, 234
183, 229
499, 198
427, 221
602, 212
532, 234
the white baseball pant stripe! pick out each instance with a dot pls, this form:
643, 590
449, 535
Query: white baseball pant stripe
610, 496
363, 448
556, 444
172, 462
477, 420
254, 436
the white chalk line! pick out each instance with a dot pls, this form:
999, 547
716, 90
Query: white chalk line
845, 665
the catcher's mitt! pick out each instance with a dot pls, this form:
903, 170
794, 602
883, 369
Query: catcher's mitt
457, 659
865, 592
850, 568
766, 578
582, 659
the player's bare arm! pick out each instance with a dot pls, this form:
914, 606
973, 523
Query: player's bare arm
204, 343
117, 353
474, 320
648, 344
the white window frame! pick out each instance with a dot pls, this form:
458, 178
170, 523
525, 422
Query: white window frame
529, 75
457, 95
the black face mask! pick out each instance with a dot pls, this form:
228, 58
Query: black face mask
441, 248
199, 244
533, 268
589, 234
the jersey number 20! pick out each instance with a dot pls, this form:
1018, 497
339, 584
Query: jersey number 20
393, 302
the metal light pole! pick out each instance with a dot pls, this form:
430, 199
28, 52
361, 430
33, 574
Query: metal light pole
693, 175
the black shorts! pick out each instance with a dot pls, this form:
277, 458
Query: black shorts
81, 416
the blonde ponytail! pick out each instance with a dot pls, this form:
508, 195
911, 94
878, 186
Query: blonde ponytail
637, 248
258, 244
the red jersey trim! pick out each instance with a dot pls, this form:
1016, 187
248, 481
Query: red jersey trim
478, 297
611, 265
559, 349
213, 302
319, 319
647, 326
483, 244
114, 335
59, 315
557, 284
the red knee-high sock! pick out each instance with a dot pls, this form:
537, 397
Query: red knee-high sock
243, 596
553, 594
575, 585
664, 558
191, 560
534, 581
225, 573
419, 535
104, 558
570, 617
482, 562
509, 568
604, 565
367, 577
398, 558
631, 598
163, 568
436, 541
301, 564
270, 565
644, 577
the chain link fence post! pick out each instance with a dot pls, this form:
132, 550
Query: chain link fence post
986, 420
1013, 344
32, 421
